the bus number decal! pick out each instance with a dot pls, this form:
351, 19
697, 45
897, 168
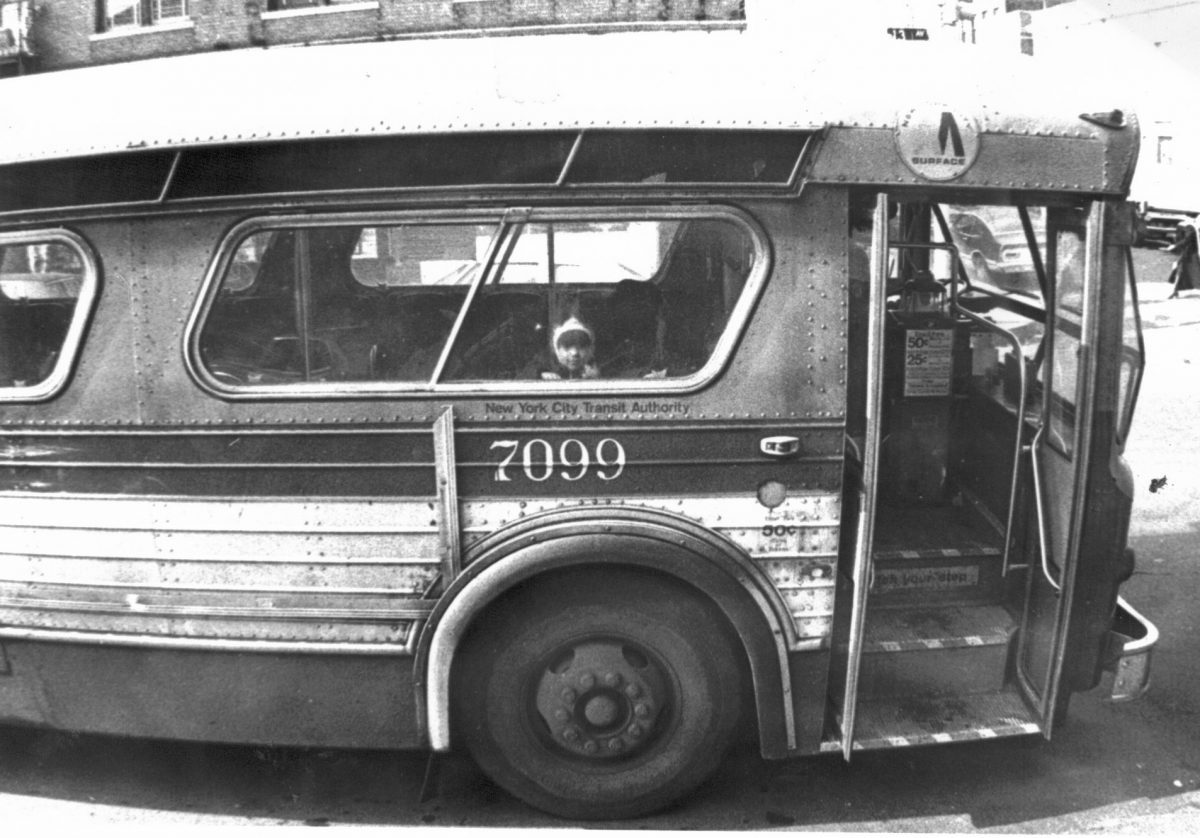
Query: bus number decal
546, 460
575, 460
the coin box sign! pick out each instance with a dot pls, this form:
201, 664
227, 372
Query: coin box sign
928, 362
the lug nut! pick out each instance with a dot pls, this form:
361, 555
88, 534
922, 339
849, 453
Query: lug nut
615, 745
589, 747
642, 710
633, 691
612, 679
562, 715
587, 681
568, 696
571, 734
635, 731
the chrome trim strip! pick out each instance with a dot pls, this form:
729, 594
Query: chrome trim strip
170, 178
265, 614
1039, 502
1132, 676
340, 465
447, 496
351, 427
392, 516
395, 594
571, 155
801, 159
305, 647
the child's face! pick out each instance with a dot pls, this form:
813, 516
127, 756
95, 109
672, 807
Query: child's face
574, 351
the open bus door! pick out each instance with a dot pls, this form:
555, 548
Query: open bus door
939, 598
1082, 487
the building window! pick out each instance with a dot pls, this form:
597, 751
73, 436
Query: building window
1164, 151
118, 14
290, 5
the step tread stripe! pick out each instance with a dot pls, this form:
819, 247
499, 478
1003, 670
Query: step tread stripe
980, 551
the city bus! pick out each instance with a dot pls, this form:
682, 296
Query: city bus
456, 395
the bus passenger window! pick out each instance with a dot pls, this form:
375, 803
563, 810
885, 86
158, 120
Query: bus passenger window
652, 297
321, 302
45, 290
340, 303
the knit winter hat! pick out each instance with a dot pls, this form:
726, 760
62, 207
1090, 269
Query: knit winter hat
573, 326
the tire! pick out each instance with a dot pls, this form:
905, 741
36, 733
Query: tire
600, 696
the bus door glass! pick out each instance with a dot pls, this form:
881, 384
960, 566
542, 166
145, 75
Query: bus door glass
1059, 455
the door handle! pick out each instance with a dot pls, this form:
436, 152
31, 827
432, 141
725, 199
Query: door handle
780, 446
1039, 502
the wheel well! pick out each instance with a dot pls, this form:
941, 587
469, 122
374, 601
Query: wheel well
761, 674
608, 539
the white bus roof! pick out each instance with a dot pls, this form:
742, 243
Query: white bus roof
682, 79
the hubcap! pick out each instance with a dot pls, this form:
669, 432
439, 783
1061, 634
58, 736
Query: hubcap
601, 698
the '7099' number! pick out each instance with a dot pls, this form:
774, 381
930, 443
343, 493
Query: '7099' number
573, 461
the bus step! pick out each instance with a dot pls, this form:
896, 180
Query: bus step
954, 650
946, 576
927, 720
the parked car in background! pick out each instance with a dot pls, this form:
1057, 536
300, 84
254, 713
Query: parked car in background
994, 248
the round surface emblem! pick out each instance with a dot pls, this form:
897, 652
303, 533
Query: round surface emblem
936, 142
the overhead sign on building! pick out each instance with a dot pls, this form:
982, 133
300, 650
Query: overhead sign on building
908, 33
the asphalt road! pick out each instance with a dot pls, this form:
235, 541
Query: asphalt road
1124, 768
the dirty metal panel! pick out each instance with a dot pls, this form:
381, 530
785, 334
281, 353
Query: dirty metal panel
794, 543
221, 546
807, 519
337, 572
1048, 162
381, 575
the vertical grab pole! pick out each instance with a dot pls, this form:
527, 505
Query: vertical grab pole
877, 302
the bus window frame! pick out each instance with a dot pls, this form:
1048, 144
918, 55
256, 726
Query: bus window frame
506, 220
81, 315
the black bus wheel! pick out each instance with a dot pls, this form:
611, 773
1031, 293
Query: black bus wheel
607, 697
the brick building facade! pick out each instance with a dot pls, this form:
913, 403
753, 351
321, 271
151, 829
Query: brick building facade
60, 34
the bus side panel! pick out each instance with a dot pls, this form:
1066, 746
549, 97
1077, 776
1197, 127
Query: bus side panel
271, 571
102, 388
212, 695
196, 520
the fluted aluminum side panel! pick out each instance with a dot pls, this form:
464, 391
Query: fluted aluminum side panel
348, 571
330, 571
